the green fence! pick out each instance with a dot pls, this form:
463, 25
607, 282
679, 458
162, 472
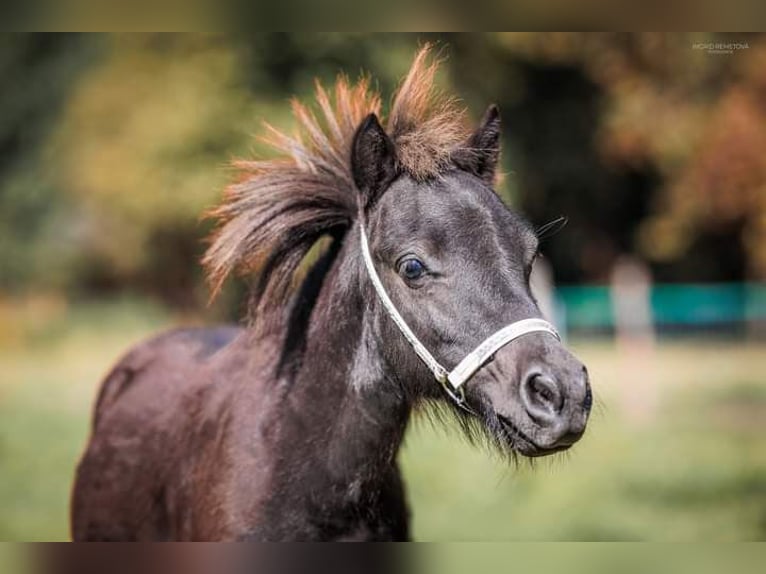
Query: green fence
585, 307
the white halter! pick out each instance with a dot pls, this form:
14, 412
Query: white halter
453, 381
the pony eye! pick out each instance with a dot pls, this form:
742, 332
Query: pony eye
413, 269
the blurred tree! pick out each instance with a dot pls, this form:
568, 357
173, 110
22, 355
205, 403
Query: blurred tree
142, 149
713, 211
37, 73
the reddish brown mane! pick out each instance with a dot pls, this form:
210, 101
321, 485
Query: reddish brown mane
270, 219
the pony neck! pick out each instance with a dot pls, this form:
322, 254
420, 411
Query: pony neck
340, 379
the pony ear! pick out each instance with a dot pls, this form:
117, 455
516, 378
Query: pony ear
480, 154
373, 159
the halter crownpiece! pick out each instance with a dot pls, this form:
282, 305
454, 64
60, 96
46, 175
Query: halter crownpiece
453, 380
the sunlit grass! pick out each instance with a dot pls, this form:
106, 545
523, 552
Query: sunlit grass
676, 449
47, 384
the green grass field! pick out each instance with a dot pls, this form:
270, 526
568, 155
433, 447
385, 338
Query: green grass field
675, 450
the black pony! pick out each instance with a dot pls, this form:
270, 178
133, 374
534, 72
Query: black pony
289, 429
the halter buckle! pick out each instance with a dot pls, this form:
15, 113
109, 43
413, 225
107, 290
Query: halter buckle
457, 395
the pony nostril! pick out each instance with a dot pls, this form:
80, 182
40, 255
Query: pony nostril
545, 391
588, 401
542, 398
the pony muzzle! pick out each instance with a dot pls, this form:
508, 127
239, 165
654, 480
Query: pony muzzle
544, 404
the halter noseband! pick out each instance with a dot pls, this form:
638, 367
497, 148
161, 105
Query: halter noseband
452, 381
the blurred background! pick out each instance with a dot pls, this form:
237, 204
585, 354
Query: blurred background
652, 146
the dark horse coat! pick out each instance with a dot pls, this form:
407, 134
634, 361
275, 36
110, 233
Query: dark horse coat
289, 429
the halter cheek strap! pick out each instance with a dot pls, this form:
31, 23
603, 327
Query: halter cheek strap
452, 381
